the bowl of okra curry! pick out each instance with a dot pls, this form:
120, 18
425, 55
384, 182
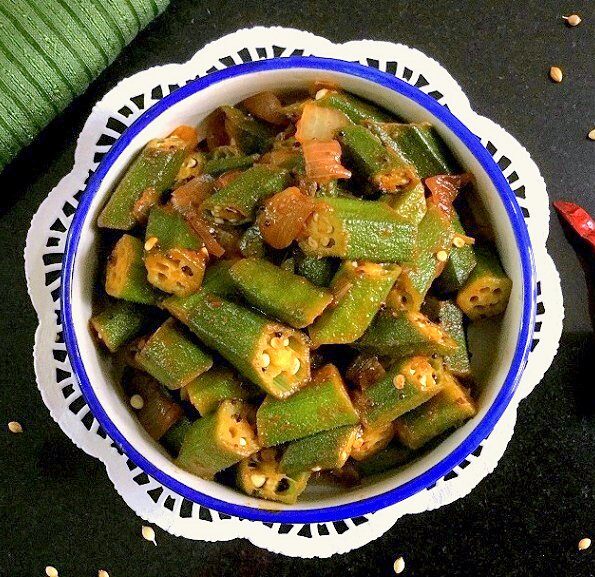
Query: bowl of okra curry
298, 290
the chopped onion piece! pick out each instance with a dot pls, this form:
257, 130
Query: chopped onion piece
323, 161
319, 123
267, 107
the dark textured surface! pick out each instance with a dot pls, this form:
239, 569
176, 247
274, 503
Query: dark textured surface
57, 505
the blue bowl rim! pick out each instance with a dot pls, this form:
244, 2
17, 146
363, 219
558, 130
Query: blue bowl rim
425, 479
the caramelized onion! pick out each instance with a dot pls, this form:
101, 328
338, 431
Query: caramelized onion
323, 161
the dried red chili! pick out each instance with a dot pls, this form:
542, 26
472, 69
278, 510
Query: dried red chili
579, 220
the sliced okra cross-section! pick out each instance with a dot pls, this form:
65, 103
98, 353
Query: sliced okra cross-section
271, 355
260, 476
155, 168
321, 405
351, 228
279, 293
219, 440
359, 290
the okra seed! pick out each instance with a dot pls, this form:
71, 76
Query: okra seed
258, 480
399, 381
584, 544
316, 469
458, 242
399, 565
148, 534
151, 242
312, 242
219, 221
15, 427
442, 255
295, 367
285, 342
324, 240
51, 571
277, 343
316, 217
573, 20
192, 162
556, 74
137, 402
242, 442
266, 360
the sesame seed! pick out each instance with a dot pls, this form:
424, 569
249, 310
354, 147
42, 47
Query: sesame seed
265, 361
584, 544
321, 93
442, 255
258, 480
556, 74
15, 427
205, 251
151, 242
573, 20
148, 534
51, 571
591, 134
458, 242
399, 565
137, 402
102, 573
219, 220
399, 381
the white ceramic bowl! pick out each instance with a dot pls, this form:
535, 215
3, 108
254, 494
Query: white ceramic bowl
499, 349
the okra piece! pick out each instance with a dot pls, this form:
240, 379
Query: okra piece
389, 458
351, 229
381, 168
250, 135
271, 355
252, 244
159, 412
219, 440
372, 440
319, 271
460, 264
434, 242
217, 166
167, 229
208, 390
126, 276
326, 450
218, 281
487, 289
155, 167
405, 333
408, 384
359, 290
119, 322
418, 144
354, 108
260, 476
450, 318
409, 204
450, 408
279, 293
236, 203
321, 405
172, 357
173, 439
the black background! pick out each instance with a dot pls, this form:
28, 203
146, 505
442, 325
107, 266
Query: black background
57, 505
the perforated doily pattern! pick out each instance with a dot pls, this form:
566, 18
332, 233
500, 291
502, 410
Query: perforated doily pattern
45, 248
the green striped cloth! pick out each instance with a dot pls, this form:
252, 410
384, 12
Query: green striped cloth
51, 50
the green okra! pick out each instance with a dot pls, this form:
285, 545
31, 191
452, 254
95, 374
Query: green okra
155, 167
359, 289
409, 204
419, 144
171, 230
236, 203
351, 229
260, 476
321, 405
405, 333
279, 293
450, 408
487, 289
252, 244
318, 270
354, 108
271, 355
450, 318
219, 440
174, 437
217, 166
460, 264
126, 276
326, 450
380, 167
119, 322
408, 384
250, 135
389, 458
218, 280
434, 242
332, 189
208, 390
172, 357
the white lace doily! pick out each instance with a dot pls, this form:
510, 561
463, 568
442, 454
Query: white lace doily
45, 246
